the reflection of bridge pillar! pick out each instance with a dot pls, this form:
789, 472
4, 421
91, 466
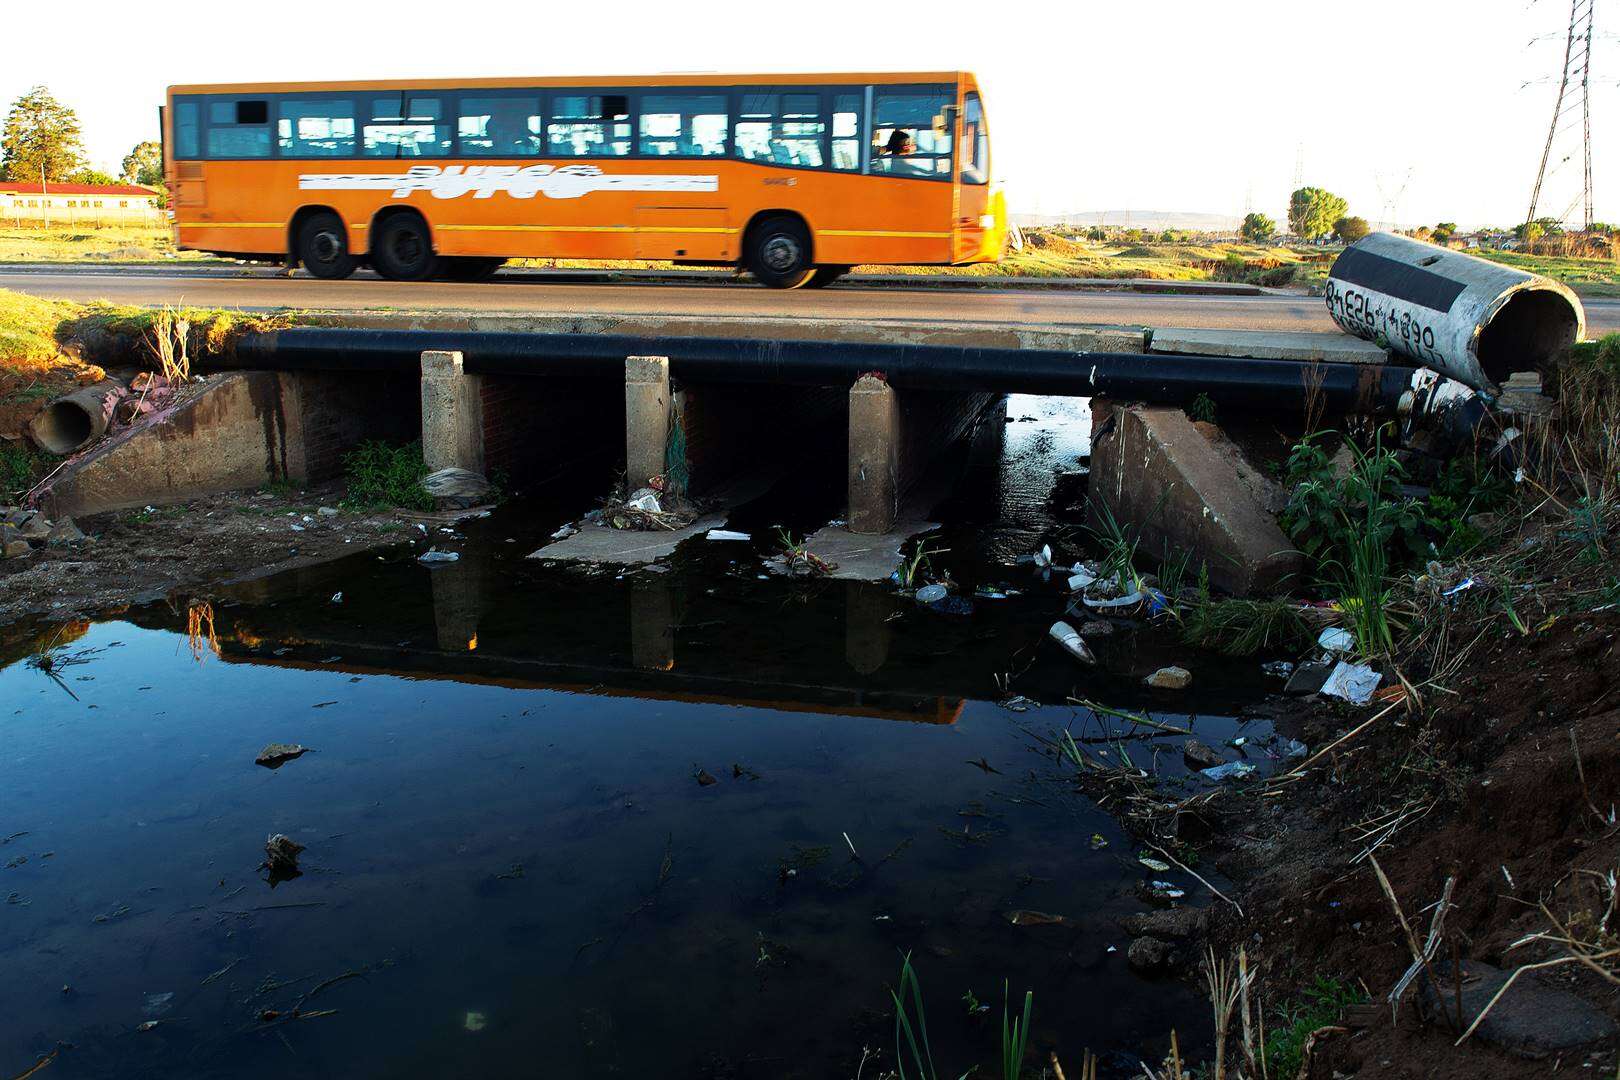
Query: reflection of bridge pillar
866, 626
652, 624
458, 601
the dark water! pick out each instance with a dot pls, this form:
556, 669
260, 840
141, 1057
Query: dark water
513, 848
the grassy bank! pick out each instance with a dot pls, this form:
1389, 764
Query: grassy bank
127, 244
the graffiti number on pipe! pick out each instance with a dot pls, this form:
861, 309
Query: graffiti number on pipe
1366, 316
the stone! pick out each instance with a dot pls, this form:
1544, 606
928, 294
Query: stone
276, 755
1532, 1019
34, 527
453, 489
281, 857
1148, 955
1173, 924
1170, 678
1096, 628
1308, 678
1157, 476
17, 549
64, 532
327, 511
1200, 756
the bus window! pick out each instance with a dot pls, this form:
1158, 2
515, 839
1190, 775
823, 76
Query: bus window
187, 126
846, 132
975, 143
908, 133
781, 129
239, 129
683, 125
311, 127
589, 126
403, 126
500, 126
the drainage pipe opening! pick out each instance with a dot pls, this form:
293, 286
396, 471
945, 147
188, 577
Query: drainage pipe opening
1532, 329
70, 423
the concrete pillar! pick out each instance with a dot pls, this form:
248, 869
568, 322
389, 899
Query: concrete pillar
648, 410
452, 414
874, 456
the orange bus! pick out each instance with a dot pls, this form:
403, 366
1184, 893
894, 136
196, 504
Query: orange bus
795, 178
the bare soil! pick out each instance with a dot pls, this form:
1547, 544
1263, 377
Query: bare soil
131, 557
1494, 798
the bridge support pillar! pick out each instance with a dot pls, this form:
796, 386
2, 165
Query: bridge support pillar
649, 409
452, 414
893, 435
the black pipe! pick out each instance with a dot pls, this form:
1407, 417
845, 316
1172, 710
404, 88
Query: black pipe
1155, 378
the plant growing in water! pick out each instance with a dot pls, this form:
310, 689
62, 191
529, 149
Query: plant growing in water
911, 1029
919, 567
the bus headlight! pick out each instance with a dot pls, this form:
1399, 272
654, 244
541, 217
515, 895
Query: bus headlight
987, 221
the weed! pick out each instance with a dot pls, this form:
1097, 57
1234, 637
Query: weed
168, 340
1014, 1039
1246, 627
32, 392
919, 567
1322, 1003
19, 468
922, 1057
380, 475
799, 559
1118, 553
1202, 409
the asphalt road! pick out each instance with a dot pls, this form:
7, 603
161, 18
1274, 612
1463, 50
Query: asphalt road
535, 292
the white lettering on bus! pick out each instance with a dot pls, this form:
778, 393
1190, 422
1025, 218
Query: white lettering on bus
520, 182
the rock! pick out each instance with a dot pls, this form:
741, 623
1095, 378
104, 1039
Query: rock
1170, 678
1308, 678
281, 858
1532, 1019
1174, 924
1096, 628
17, 549
327, 511
64, 532
1022, 917
278, 754
34, 527
13, 515
1148, 955
1199, 756
457, 489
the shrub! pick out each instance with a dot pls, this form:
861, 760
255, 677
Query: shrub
380, 475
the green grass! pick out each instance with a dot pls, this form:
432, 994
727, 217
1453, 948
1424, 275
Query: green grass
1589, 277
28, 330
85, 243
1247, 627
20, 468
381, 476
1323, 1003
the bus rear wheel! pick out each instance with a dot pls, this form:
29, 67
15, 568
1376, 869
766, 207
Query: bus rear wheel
323, 247
402, 250
779, 253
466, 268
825, 276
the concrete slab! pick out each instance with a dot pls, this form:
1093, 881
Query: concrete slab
1163, 481
862, 557
1268, 345
623, 547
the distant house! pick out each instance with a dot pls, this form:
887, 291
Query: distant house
79, 204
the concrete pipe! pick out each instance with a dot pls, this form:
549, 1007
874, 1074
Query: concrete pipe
74, 421
1466, 317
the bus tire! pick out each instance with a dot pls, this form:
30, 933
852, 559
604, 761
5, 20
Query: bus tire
468, 268
779, 253
825, 276
402, 250
323, 247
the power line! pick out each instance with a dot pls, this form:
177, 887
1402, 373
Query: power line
1577, 71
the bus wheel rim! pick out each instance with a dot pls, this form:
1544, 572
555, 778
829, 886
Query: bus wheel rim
327, 247
781, 253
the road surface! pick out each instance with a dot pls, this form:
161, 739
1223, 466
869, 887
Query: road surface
535, 292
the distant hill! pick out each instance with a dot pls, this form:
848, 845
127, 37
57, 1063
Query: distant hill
1136, 219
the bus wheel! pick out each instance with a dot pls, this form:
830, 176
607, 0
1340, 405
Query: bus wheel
323, 247
401, 249
825, 276
779, 253
463, 268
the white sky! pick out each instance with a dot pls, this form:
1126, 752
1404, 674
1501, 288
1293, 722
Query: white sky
1183, 105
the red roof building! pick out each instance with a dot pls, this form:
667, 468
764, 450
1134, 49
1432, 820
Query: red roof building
7, 187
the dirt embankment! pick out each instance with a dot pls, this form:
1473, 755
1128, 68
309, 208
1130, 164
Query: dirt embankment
1508, 789
133, 556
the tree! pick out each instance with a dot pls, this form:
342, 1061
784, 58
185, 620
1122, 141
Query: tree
1312, 212
1258, 228
1351, 229
1444, 231
144, 164
93, 177
40, 132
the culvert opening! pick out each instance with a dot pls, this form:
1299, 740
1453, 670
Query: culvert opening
1533, 327
63, 427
